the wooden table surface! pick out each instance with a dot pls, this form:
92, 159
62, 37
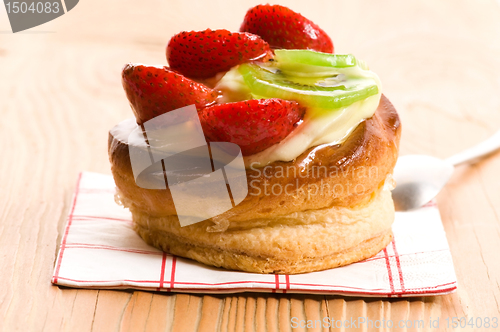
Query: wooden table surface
60, 93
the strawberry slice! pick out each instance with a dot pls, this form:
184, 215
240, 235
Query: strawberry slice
253, 124
154, 90
281, 27
202, 54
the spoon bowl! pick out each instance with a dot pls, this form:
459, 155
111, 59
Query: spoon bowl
420, 178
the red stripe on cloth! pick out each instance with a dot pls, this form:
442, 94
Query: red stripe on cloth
287, 280
418, 291
172, 275
115, 280
441, 291
100, 217
287, 283
276, 283
103, 247
430, 289
400, 270
409, 290
70, 219
299, 284
162, 273
388, 264
234, 290
340, 288
230, 283
301, 291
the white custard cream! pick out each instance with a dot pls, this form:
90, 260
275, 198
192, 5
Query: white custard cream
319, 126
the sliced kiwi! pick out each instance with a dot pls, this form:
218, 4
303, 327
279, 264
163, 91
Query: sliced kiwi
317, 64
314, 58
311, 63
289, 78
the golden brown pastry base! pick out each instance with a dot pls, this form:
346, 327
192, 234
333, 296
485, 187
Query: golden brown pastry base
318, 240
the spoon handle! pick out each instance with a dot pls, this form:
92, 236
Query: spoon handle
475, 153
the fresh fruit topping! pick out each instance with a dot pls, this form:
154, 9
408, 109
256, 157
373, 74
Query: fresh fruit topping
316, 80
314, 64
202, 54
281, 27
153, 90
254, 124
326, 93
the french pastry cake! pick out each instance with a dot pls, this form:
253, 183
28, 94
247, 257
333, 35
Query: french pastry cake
318, 139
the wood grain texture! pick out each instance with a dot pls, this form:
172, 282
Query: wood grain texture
60, 92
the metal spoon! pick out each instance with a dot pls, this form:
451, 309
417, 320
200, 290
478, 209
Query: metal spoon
420, 178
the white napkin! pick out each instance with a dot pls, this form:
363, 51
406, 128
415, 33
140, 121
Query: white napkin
99, 249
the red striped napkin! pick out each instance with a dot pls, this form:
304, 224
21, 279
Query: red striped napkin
99, 249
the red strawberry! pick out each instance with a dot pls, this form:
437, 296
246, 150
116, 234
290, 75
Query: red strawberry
253, 124
281, 27
202, 54
153, 90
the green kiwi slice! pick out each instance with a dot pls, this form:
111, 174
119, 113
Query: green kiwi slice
327, 88
316, 64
